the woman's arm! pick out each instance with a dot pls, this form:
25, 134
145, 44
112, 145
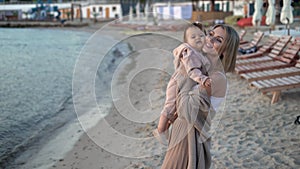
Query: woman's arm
191, 103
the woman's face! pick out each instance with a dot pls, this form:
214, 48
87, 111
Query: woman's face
215, 39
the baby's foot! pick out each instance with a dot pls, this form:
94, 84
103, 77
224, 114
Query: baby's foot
161, 137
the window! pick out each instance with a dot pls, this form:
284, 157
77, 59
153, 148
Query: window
100, 9
114, 8
94, 9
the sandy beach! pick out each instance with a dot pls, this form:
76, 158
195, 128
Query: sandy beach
116, 132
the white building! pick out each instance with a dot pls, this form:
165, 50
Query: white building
101, 11
183, 10
87, 9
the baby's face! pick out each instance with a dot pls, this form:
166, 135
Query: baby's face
195, 38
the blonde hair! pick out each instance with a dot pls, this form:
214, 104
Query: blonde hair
229, 48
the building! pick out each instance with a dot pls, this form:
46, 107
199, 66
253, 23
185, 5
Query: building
46, 10
100, 9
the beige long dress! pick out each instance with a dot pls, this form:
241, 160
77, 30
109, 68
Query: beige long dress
189, 144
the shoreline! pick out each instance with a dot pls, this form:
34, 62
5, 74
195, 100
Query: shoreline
76, 23
47, 24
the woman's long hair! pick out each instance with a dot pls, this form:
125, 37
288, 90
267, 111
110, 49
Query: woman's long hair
228, 50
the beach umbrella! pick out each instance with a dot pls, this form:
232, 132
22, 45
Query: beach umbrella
286, 15
137, 9
270, 15
130, 13
146, 10
256, 18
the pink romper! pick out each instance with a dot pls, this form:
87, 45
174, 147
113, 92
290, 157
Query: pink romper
196, 66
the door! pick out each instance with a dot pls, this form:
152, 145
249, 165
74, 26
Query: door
77, 13
88, 13
106, 12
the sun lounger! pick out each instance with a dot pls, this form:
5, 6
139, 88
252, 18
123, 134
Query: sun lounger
276, 85
275, 53
278, 44
253, 43
267, 46
242, 34
270, 74
298, 63
261, 66
286, 59
276, 80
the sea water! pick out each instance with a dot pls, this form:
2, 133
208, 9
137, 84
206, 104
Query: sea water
36, 67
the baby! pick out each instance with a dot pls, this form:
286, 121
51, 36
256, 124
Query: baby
190, 54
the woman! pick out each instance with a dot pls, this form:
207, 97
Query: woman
189, 143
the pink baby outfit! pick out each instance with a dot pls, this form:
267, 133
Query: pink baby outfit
196, 66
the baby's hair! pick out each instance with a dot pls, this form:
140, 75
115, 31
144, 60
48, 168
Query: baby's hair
191, 25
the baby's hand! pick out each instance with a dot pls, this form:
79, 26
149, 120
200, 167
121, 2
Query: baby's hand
207, 82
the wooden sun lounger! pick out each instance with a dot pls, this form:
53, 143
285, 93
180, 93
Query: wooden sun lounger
287, 59
276, 85
254, 42
254, 60
262, 66
276, 53
278, 45
298, 63
267, 46
270, 74
242, 34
